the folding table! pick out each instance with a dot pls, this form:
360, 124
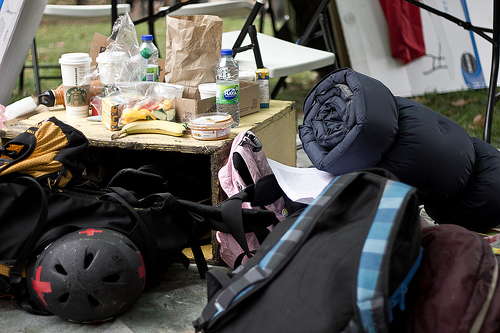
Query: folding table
220, 8
282, 58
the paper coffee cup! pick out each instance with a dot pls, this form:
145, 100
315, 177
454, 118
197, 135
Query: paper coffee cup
75, 70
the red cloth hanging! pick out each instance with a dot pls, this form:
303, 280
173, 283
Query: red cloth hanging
405, 29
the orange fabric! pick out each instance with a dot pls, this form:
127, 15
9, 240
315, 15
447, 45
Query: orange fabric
50, 140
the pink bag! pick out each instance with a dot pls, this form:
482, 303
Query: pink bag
245, 165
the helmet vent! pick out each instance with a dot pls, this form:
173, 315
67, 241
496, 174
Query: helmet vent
94, 302
89, 257
111, 278
60, 269
64, 298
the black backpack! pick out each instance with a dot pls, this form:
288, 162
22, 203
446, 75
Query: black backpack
157, 224
343, 264
43, 197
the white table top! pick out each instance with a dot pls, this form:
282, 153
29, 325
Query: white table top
219, 8
282, 58
82, 11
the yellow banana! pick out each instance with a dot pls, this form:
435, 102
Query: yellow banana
152, 126
130, 115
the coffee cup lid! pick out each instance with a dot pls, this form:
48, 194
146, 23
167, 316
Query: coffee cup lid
75, 58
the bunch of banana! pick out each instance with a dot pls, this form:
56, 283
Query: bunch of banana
152, 126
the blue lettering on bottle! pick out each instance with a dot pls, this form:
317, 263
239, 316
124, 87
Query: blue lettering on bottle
230, 94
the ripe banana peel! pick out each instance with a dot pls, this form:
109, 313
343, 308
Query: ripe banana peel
152, 126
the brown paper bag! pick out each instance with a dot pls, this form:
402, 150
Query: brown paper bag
193, 50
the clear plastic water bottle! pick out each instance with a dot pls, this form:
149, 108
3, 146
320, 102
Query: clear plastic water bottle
228, 86
149, 53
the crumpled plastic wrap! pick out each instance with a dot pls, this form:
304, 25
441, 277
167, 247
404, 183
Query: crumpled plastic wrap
2, 116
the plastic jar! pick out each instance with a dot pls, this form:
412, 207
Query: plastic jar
111, 66
211, 126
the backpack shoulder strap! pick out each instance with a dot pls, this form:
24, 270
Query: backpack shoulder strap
121, 195
371, 298
128, 201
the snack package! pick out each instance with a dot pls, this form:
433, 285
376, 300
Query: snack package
133, 101
112, 107
150, 108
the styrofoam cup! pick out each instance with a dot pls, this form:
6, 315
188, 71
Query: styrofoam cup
75, 71
111, 67
207, 90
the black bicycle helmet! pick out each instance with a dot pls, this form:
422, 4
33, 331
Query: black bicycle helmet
87, 276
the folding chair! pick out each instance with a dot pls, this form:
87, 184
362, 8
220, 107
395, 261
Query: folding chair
192, 7
280, 57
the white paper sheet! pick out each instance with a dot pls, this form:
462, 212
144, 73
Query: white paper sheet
300, 184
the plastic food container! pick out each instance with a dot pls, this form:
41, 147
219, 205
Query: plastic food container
211, 126
111, 67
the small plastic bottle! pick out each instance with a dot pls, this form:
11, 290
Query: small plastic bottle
262, 77
149, 53
52, 97
228, 86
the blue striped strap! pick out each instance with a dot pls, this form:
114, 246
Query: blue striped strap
370, 300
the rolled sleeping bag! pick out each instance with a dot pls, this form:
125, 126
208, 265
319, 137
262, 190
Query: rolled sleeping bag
431, 153
350, 121
477, 206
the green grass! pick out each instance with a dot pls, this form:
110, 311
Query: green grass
57, 37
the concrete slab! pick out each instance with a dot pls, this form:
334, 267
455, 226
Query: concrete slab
168, 308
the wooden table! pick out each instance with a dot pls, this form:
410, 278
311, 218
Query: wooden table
275, 127
190, 166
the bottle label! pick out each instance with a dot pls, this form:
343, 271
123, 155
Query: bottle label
228, 94
262, 77
151, 74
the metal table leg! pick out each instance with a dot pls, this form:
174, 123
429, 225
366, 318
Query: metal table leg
494, 73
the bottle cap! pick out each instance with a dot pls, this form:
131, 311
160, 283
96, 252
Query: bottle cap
226, 52
146, 53
147, 37
47, 98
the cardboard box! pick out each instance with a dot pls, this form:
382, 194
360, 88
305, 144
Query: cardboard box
249, 103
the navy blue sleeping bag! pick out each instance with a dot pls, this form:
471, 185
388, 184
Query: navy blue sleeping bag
477, 206
352, 121
431, 152
344, 130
